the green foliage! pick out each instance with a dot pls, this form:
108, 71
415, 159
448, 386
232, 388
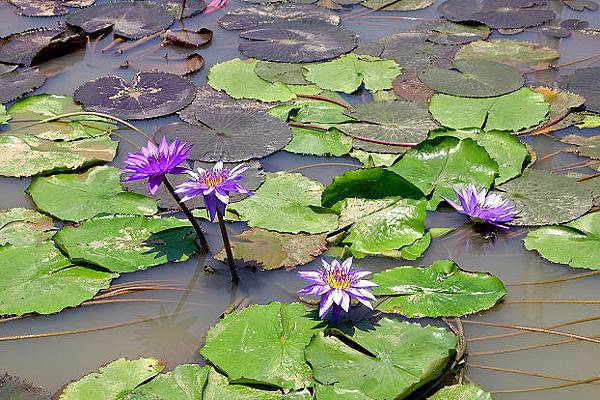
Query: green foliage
185, 382
4, 117
24, 227
318, 142
461, 392
512, 52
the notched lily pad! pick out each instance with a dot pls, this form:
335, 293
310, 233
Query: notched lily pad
18, 83
250, 17
47, 8
127, 19
297, 42
38, 45
149, 95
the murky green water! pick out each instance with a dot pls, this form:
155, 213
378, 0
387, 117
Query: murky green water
170, 324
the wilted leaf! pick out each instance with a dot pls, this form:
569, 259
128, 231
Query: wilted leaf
37, 45
397, 5
24, 227
187, 37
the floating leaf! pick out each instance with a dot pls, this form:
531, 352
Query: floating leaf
409, 87
589, 121
288, 203
511, 52
497, 13
586, 146
297, 42
273, 339
4, 117
14, 388
576, 243
369, 183
545, 198
27, 155
292, 74
447, 32
392, 358
461, 392
47, 8
181, 9
127, 243
18, 83
37, 45
397, 5
75, 197
314, 111
332, 392
253, 16
127, 19
584, 81
40, 279
277, 250
114, 380
473, 78
347, 73
511, 112
561, 105
371, 160
150, 95
173, 65
185, 382
413, 52
24, 227
438, 165
188, 38
40, 107
238, 79
318, 142
440, 290
218, 388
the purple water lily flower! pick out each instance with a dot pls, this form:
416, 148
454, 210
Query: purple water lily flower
215, 185
154, 162
337, 286
481, 206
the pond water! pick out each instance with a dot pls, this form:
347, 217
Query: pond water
170, 324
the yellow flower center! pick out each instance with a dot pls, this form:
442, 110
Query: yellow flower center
337, 280
212, 179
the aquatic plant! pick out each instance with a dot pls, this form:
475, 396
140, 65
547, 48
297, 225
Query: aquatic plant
483, 207
338, 285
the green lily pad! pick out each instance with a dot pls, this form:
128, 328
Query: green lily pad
75, 197
348, 72
576, 244
461, 392
292, 74
510, 112
589, 121
127, 243
218, 388
368, 183
288, 203
586, 146
438, 165
331, 392
29, 272
441, 290
185, 382
545, 198
504, 148
263, 344
319, 142
447, 32
113, 381
312, 111
4, 116
24, 227
370, 160
401, 358
390, 228
511, 52
238, 79
473, 78
277, 250
27, 155
397, 5
37, 108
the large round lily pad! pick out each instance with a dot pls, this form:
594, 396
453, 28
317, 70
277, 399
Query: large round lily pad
476, 78
229, 134
252, 16
37, 45
29, 271
128, 19
297, 42
584, 82
18, 83
22, 227
149, 95
441, 290
545, 198
413, 52
576, 243
264, 344
47, 8
497, 13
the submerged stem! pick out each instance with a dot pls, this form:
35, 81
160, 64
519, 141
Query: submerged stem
227, 245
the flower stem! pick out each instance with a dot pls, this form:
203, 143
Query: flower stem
189, 215
227, 245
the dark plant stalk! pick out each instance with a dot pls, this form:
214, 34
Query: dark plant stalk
227, 245
188, 213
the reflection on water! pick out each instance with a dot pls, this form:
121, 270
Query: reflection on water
169, 322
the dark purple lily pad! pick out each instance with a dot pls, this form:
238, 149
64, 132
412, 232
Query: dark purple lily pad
230, 134
574, 24
128, 19
47, 8
297, 42
188, 37
581, 5
38, 45
181, 9
15, 84
413, 52
585, 83
12, 388
409, 87
178, 65
250, 17
150, 95
497, 13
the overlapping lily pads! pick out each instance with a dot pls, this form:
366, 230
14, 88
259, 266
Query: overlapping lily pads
47, 8
20, 82
440, 290
252, 16
319, 142
22, 227
149, 95
188, 37
127, 243
576, 244
584, 81
512, 52
545, 198
461, 392
397, 5
297, 42
451, 33
586, 146
36, 45
414, 52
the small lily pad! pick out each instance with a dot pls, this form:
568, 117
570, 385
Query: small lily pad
23, 227
451, 33
187, 37
511, 52
253, 16
149, 95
